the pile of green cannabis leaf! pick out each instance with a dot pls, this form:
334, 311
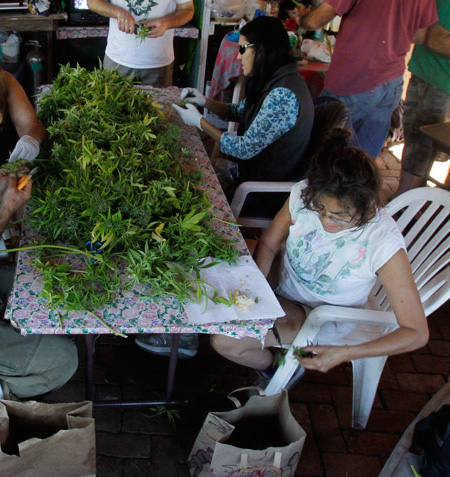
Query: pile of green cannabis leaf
111, 186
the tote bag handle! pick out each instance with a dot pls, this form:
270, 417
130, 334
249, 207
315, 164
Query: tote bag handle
276, 464
236, 401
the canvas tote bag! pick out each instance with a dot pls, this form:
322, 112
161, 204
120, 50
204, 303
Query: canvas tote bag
51, 440
261, 438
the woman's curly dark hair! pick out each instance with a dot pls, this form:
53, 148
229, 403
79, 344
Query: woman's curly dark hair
272, 51
345, 173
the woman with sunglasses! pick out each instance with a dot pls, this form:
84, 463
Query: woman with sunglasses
276, 115
338, 240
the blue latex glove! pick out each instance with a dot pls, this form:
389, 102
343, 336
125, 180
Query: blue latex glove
189, 115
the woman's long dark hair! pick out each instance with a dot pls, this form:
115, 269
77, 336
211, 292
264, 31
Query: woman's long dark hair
345, 173
272, 51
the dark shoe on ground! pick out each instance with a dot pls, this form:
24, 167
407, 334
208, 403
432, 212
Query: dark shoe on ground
264, 380
160, 343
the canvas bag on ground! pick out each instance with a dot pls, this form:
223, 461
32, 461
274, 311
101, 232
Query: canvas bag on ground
261, 438
51, 440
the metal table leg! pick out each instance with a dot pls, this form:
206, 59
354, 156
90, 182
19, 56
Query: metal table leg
89, 390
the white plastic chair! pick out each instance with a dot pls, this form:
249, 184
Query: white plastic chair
422, 215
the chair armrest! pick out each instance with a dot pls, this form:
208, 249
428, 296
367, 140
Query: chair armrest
254, 186
325, 313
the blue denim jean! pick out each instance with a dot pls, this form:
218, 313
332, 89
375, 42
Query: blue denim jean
371, 113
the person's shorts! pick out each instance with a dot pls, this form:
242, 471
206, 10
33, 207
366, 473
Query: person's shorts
425, 104
157, 77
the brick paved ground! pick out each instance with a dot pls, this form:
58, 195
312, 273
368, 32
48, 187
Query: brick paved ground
135, 443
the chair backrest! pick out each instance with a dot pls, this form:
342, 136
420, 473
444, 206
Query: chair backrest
423, 217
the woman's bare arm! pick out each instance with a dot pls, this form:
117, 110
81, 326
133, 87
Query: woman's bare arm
22, 113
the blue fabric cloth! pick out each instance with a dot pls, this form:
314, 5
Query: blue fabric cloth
277, 115
371, 113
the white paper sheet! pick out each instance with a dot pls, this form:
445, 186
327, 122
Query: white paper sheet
244, 276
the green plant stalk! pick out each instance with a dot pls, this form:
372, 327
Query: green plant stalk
103, 322
416, 474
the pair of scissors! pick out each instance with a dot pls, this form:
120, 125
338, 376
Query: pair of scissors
23, 181
95, 247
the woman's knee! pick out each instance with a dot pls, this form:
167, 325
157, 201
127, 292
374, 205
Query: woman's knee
65, 361
229, 347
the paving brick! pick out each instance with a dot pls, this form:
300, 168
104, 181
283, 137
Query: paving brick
444, 330
370, 443
183, 470
389, 421
439, 347
147, 422
108, 419
388, 378
310, 392
342, 401
432, 364
401, 363
337, 376
402, 401
420, 383
301, 413
348, 465
230, 383
164, 462
109, 466
310, 463
327, 429
436, 332
71, 392
108, 392
440, 316
137, 468
123, 445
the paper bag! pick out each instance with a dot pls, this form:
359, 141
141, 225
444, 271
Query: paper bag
261, 438
51, 440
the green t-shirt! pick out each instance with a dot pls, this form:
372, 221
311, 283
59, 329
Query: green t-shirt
428, 65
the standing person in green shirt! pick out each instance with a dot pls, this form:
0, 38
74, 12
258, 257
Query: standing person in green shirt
428, 99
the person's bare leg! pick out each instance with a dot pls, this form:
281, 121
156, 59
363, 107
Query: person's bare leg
408, 181
249, 351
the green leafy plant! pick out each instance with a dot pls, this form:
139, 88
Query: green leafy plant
143, 31
280, 357
171, 414
112, 176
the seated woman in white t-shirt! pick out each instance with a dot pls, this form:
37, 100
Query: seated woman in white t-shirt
338, 240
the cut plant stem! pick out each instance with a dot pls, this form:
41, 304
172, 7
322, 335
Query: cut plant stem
103, 322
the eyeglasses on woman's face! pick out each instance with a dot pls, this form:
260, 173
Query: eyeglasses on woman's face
243, 48
326, 215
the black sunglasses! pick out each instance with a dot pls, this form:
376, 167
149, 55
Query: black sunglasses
243, 48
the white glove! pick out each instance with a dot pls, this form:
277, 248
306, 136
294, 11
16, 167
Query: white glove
189, 115
192, 95
26, 148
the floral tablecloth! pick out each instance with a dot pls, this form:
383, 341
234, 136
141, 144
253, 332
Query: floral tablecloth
130, 312
66, 33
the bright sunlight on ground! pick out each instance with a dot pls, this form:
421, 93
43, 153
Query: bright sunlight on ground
439, 170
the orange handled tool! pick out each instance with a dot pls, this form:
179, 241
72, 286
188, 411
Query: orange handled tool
23, 181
